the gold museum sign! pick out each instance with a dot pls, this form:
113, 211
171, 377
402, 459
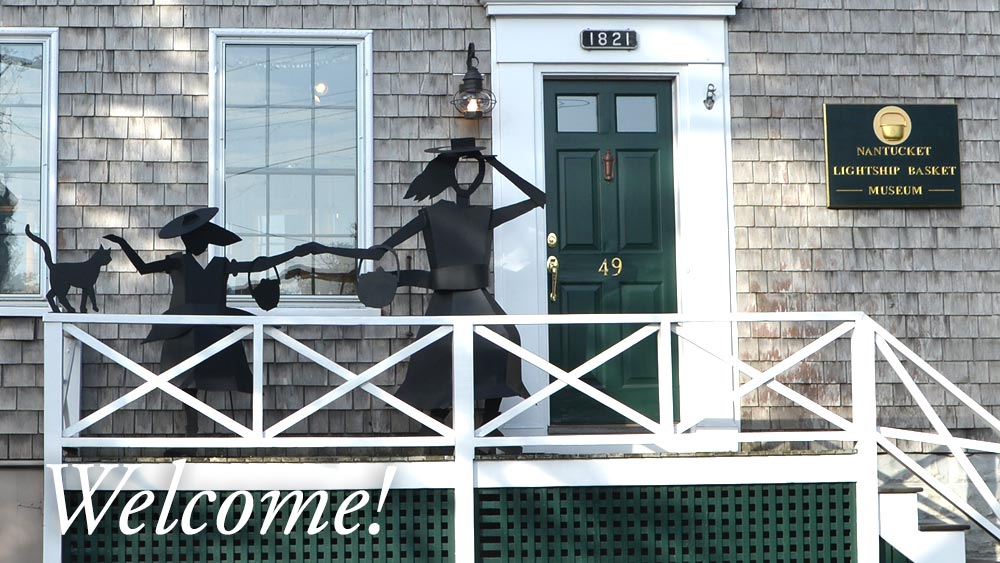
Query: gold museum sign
880, 156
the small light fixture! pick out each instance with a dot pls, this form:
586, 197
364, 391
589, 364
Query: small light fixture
710, 97
472, 100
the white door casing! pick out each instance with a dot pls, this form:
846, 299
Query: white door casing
682, 41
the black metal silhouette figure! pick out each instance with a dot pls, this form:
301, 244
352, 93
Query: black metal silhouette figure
65, 275
459, 240
201, 290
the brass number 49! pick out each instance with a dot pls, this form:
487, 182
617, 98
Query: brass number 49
616, 263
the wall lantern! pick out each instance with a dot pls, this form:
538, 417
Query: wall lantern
472, 100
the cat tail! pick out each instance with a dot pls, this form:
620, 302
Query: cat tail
42, 243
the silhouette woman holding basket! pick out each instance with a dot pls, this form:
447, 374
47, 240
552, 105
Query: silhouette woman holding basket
202, 290
459, 241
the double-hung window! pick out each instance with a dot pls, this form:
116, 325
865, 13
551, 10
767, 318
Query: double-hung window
27, 158
291, 152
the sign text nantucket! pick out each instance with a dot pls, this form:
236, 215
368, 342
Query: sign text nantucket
886, 156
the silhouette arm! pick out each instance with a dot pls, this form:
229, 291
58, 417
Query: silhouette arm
404, 233
264, 263
317, 248
141, 266
412, 278
372, 253
536, 197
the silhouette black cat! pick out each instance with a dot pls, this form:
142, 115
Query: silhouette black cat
73, 274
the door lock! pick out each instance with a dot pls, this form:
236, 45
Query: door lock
552, 240
553, 267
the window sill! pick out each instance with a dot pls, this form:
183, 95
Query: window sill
23, 308
300, 307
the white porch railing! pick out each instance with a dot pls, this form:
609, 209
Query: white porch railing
869, 343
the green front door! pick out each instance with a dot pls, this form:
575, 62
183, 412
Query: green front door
611, 211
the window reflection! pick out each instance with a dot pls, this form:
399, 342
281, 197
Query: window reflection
20, 166
576, 114
291, 150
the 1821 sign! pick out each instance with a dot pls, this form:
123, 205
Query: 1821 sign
888, 156
609, 39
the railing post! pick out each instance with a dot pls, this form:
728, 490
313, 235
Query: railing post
53, 346
464, 419
865, 423
665, 372
257, 399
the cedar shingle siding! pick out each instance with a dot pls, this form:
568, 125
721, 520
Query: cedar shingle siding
929, 276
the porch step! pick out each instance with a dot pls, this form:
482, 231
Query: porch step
920, 543
943, 527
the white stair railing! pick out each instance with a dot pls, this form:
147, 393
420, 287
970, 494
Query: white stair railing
868, 343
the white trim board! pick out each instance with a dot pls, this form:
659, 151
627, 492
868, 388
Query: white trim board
562, 8
694, 470
690, 53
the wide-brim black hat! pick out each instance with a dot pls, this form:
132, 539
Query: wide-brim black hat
199, 219
461, 145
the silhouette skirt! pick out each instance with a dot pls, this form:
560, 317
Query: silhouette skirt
428, 382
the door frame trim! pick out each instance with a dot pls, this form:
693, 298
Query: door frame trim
706, 280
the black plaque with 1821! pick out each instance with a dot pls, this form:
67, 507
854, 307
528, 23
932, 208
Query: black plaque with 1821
609, 39
892, 156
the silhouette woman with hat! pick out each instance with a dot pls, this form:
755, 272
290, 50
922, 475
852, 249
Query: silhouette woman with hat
198, 290
459, 241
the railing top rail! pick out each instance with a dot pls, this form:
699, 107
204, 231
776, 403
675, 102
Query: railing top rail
340, 320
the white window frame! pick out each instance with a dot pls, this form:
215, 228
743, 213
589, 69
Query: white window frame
29, 303
362, 41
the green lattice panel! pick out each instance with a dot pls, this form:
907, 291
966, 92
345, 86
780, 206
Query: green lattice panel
800, 523
415, 527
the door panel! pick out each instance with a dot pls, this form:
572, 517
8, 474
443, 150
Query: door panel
639, 221
579, 196
615, 235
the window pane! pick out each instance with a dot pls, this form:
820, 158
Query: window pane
24, 125
289, 137
246, 142
246, 204
20, 166
336, 139
636, 114
336, 211
290, 153
24, 188
576, 114
291, 70
335, 275
330, 89
246, 70
290, 206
